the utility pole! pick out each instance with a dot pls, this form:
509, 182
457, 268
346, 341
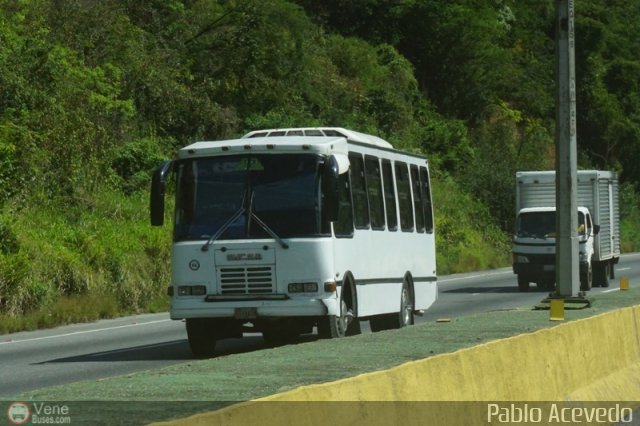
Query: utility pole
567, 271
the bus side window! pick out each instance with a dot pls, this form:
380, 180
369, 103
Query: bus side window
374, 189
426, 199
417, 198
359, 191
389, 196
343, 227
403, 186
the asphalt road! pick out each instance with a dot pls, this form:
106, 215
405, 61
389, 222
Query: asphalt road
31, 360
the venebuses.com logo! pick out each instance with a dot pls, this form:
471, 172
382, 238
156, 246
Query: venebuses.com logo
18, 413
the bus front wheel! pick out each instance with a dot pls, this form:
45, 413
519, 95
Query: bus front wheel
334, 326
201, 335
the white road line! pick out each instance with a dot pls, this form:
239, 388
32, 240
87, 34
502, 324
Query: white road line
474, 276
609, 291
622, 269
83, 332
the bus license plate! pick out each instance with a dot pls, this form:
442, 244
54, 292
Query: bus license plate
245, 313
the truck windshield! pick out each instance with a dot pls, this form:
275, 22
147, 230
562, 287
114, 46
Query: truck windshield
542, 224
282, 190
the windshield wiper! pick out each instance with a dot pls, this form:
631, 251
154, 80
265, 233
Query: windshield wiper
263, 225
251, 215
269, 231
223, 228
227, 224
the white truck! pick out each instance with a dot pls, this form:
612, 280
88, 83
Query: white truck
534, 242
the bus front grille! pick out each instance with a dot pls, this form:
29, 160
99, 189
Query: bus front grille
246, 280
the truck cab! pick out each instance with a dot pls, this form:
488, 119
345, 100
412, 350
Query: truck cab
534, 246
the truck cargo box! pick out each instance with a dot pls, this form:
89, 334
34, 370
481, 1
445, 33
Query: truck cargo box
597, 190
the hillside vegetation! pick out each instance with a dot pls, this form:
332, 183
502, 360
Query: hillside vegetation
94, 94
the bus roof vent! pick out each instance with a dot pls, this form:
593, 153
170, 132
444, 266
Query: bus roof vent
320, 132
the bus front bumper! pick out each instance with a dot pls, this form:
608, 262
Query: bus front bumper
182, 308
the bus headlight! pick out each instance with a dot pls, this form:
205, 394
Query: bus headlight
303, 287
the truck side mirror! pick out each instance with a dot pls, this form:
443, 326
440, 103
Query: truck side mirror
158, 187
330, 190
596, 229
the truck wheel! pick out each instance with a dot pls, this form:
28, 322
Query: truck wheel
604, 275
523, 283
201, 335
586, 279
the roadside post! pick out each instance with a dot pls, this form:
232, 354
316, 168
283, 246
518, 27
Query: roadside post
556, 310
567, 271
624, 283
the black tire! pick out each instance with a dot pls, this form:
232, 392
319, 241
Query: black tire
201, 335
353, 328
612, 270
604, 272
402, 318
523, 283
347, 323
586, 278
334, 326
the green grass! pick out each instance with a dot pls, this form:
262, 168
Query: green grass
64, 257
64, 310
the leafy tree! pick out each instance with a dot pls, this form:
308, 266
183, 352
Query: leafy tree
607, 73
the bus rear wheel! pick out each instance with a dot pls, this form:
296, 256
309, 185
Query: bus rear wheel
201, 335
405, 316
400, 319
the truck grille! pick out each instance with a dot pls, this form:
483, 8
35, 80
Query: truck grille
246, 280
542, 259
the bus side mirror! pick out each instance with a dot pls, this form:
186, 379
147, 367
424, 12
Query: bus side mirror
596, 229
158, 187
330, 190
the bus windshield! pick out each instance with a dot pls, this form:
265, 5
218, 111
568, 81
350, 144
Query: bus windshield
281, 190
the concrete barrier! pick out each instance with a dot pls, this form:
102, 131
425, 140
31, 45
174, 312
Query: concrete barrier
594, 359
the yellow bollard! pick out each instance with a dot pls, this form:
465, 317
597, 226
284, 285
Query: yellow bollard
556, 311
624, 283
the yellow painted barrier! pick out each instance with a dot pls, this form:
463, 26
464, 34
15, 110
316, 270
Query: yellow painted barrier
594, 359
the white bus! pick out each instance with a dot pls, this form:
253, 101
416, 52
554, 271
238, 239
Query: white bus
286, 229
